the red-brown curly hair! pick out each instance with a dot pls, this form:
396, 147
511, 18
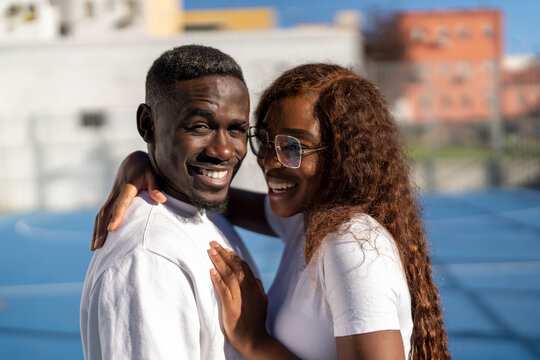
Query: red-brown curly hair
364, 171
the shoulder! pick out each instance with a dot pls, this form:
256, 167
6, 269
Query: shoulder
361, 232
136, 271
147, 232
129, 236
361, 244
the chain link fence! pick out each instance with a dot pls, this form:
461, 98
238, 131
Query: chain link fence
467, 125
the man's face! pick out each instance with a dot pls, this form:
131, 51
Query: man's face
199, 138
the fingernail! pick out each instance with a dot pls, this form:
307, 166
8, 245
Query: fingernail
212, 252
213, 272
214, 244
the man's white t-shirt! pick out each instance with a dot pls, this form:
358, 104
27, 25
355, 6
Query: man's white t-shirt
148, 293
354, 284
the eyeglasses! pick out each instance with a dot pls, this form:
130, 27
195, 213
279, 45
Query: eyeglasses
288, 149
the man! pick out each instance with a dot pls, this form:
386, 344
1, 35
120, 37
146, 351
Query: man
148, 292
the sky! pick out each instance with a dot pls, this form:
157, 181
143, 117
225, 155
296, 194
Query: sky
521, 17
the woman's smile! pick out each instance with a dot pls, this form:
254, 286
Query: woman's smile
280, 187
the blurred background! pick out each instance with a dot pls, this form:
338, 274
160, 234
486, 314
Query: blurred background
462, 79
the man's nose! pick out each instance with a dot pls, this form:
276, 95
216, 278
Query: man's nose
220, 147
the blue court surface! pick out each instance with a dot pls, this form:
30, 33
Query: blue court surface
485, 250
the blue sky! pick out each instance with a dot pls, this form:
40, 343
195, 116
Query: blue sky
521, 17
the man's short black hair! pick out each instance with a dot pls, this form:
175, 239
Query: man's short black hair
185, 63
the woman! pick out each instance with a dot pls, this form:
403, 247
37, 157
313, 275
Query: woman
355, 277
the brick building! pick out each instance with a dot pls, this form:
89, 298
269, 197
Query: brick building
520, 84
455, 57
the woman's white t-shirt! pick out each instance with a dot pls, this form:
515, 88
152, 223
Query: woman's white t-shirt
354, 284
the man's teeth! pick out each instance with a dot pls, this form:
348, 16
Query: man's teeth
214, 174
280, 187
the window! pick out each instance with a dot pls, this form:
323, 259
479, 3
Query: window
488, 30
12, 10
463, 31
489, 66
419, 72
64, 28
443, 35
132, 7
89, 9
93, 119
446, 101
425, 102
30, 14
521, 98
445, 68
418, 35
490, 99
466, 101
463, 70
210, 26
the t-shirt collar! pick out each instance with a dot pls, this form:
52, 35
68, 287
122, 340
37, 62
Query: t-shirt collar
182, 208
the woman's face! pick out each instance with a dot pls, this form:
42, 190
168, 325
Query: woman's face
292, 191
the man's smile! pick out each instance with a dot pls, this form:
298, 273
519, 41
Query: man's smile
216, 176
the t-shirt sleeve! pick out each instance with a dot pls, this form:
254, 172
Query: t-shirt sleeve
282, 226
144, 309
359, 280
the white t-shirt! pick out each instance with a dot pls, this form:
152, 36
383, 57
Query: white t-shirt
354, 284
148, 293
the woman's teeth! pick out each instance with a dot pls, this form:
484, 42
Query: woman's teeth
280, 187
214, 174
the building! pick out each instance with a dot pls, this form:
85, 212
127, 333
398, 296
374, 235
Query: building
453, 58
520, 86
68, 101
94, 19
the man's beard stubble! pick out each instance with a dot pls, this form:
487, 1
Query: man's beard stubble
219, 207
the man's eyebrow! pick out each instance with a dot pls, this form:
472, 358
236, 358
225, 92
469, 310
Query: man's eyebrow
239, 122
300, 133
205, 113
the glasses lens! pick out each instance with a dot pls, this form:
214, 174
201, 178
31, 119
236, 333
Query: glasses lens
258, 141
288, 150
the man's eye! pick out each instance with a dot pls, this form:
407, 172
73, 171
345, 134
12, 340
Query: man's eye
199, 128
238, 130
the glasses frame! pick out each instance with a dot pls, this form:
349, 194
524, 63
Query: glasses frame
301, 152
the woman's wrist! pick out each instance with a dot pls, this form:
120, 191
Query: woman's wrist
252, 348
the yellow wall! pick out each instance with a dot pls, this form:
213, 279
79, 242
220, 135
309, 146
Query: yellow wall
161, 16
230, 19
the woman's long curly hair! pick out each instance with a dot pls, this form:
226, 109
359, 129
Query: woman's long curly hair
364, 171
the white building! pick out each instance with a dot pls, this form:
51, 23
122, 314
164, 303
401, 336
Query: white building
67, 105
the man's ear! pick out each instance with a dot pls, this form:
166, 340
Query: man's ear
145, 123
